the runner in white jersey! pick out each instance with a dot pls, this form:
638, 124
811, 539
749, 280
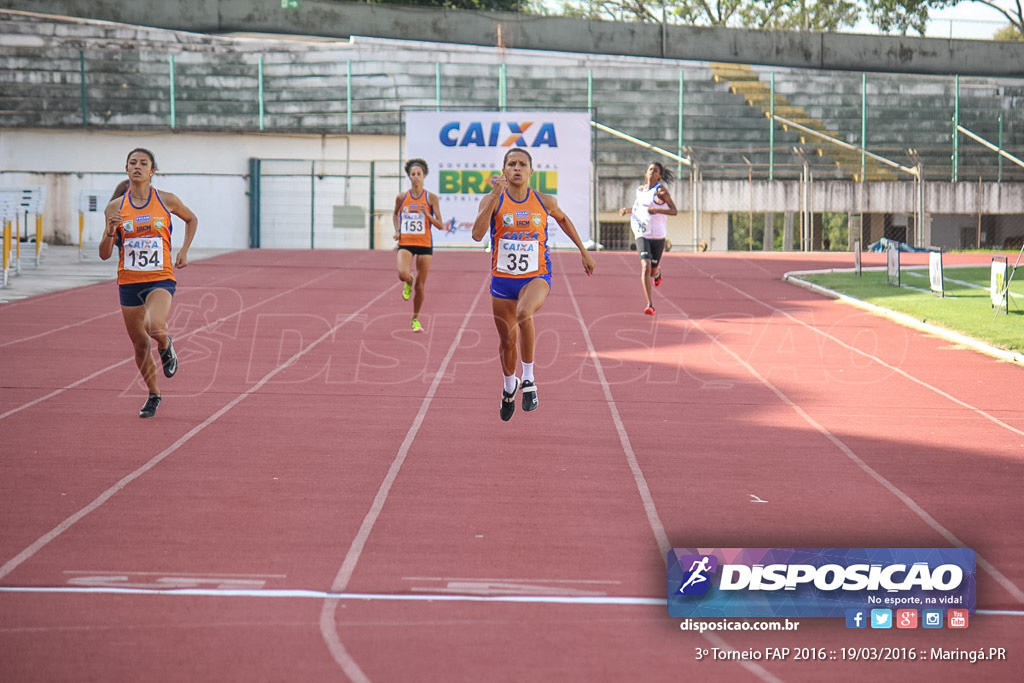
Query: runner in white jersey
648, 219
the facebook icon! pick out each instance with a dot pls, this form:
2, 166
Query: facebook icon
856, 618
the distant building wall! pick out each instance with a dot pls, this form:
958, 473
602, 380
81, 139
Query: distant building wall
210, 172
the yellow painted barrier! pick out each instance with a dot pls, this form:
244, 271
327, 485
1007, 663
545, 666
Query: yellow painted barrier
7, 249
39, 237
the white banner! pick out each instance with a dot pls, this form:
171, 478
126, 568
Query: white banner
465, 149
997, 283
892, 264
935, 278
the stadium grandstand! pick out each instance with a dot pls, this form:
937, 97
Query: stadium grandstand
305, 134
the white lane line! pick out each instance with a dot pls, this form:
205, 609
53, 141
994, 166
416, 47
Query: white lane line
300, 593
328, 624
131, 359
508, 580
337, 596
794, 278
660, 536
952, 539
641, 481
172, 575
55, 330
64, 328
42, 541
964, 283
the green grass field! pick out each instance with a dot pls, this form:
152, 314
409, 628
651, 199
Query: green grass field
965, 308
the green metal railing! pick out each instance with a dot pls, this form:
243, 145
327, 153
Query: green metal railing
886, 117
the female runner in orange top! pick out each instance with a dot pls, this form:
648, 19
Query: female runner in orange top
138, 223
416, 210
517, 218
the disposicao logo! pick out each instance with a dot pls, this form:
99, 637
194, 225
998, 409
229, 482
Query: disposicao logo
823, 582
497, 134
696, 580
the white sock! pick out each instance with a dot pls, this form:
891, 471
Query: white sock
527, 372
510, 384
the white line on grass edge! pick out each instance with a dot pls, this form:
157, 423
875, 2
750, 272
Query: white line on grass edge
795, 277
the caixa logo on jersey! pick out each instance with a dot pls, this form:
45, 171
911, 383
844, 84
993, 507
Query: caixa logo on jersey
498, 134
817, 582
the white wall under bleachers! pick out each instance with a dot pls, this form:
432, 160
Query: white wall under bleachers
209, 172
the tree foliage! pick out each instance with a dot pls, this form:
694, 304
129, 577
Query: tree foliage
890, 16
1008, 32
813, 15
900, 16
1015, 16
492, 5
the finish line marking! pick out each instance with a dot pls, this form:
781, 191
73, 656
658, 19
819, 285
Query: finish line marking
369, 597
325, 595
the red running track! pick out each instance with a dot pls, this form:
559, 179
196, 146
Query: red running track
326, 496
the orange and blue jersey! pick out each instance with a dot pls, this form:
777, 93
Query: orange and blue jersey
413, 225
144, 238
519, 238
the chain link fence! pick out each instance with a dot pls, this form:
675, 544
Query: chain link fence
302, 204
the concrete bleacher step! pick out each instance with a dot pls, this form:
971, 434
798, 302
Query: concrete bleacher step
759, 95
732, 73
306, 87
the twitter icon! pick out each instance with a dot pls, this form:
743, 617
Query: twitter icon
881, 618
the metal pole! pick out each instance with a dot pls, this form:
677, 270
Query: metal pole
348, 96
956, 124
750, 205
750, 211
171, 66
694, 202
437, 98
259, 76
312, 205
988, 145
679, 146
39, 238
595, 224
804, 227
641, 143
85, 101
863, 124
664, 30
771, 132
844, 144
254, 203
590, 92
999, 177
978, 206
373, 194
503, 87
920, 203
